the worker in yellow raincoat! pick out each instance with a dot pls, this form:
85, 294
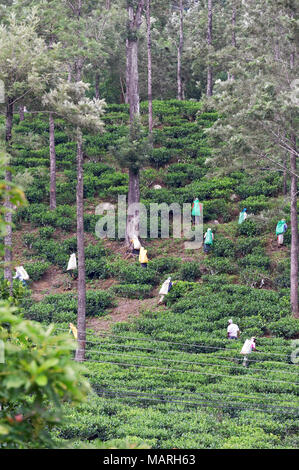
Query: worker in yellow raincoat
74, 330
143, 259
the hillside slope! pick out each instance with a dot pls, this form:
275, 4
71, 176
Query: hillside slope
166, 375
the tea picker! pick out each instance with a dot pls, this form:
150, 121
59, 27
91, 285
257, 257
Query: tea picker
21, 274
247, 348
196, 211
242, 216
233, 331
208, 240
72, 264
143, 259
166, 286
74, 330
281, 228
136, 245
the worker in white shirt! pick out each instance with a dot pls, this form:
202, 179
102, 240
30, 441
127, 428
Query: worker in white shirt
166, 286
248, 347
21, 275
233, 331
136, 245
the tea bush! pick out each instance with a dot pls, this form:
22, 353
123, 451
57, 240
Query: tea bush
254, 204
19, 292
135, 274
285, 327
46, 232
133, 291
190, 271
269, 186
223, 247
249, 228
36, 269
62, 308
256, 260
166, 265
221, 265
244, 246
160, 156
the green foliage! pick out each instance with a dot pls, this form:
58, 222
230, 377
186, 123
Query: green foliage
166, 265
221, 265
244, 245
37, 269
33, 378
132, 151
62, 308
257, 259
183, 173
269, 186
223, 247
286, 327
211, 188
133, 291
254, 204
190, 271
249, 228
160, 156
19, 292
45, 232
217, 209
39, 215
134, 274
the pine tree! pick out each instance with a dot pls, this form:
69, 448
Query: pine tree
258, 107
81, 113
23, 70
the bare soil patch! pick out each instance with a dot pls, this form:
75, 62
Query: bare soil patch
126, 310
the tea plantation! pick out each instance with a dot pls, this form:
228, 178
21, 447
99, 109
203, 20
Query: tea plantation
166, 376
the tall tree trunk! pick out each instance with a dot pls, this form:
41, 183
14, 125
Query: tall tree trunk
81, 315
285, 187
52, 162
209, 40
234, 15
7, 204
180, 50
108, 4
133, 81
294, 231
81, 318
234, 40
135, 20
122, 94
128, 65
149, 69
133, 217
21, 112
97, 86
70, 73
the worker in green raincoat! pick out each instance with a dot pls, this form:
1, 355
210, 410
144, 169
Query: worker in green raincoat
196, 211
208, 240
242, 216
281, 228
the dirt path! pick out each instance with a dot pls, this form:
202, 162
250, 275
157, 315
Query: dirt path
54, 281
126, 310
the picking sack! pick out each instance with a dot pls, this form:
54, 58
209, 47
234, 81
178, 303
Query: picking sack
246, 349
209, 238
72, 264
23, 273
